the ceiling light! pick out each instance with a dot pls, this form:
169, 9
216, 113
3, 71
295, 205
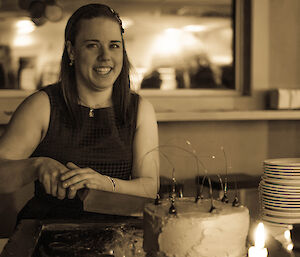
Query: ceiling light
25, 26
22, 40
195, 28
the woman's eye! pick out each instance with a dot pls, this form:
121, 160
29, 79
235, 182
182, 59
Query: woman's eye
115, 46
92, 46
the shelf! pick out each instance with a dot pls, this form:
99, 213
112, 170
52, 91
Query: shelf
9, 100
254, 115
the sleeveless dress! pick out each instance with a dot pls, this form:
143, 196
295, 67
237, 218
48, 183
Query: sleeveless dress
103, 143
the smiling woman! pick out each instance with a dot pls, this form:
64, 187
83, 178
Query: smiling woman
91, 130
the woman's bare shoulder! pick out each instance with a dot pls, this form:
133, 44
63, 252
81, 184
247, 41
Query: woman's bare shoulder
39, 98
34, 110
145, 105
146, 112
26, 128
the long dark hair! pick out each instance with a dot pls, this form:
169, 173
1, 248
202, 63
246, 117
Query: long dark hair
121, 87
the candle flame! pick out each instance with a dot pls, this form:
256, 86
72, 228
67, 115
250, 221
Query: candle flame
260, 236
290, 247
287, 235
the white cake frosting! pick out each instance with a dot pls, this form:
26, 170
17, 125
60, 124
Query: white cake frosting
194, 231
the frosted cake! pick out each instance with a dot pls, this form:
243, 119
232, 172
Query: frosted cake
194, 230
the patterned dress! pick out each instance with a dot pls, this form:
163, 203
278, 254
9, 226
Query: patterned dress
102, 142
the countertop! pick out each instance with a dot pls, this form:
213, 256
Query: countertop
3, 241
274, 247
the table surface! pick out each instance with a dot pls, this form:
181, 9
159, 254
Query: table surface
274, 247
3, 241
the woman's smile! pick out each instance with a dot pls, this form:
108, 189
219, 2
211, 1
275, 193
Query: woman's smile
103, 70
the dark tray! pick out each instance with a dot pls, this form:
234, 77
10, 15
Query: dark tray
34, 238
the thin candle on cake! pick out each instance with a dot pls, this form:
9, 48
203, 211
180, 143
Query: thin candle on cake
259, 250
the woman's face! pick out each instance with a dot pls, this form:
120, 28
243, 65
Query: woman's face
97, 53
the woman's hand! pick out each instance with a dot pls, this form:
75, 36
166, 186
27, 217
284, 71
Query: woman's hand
78, 178
49, 173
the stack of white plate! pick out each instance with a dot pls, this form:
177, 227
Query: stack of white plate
280, 191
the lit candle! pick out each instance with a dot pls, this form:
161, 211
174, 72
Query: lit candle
289, 244
259, 250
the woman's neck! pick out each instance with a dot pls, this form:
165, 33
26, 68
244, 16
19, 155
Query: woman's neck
95, 99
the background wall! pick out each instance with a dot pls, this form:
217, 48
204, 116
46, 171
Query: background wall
275, 58
284, 44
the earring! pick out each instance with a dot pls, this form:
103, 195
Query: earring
71, 62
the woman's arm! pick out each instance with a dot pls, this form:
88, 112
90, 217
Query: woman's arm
145, 172
25, 130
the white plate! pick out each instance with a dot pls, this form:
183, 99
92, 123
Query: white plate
280, 203
282, 209
281, 167
278, 176
283, 162
284, 173
280, 198
282, 206
281, 182
281, 194
281, 220
280, 213
280, 187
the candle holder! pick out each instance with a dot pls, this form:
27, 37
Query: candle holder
224, 189
212, 207
157, 200
199, 194
172, 209
236, 202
